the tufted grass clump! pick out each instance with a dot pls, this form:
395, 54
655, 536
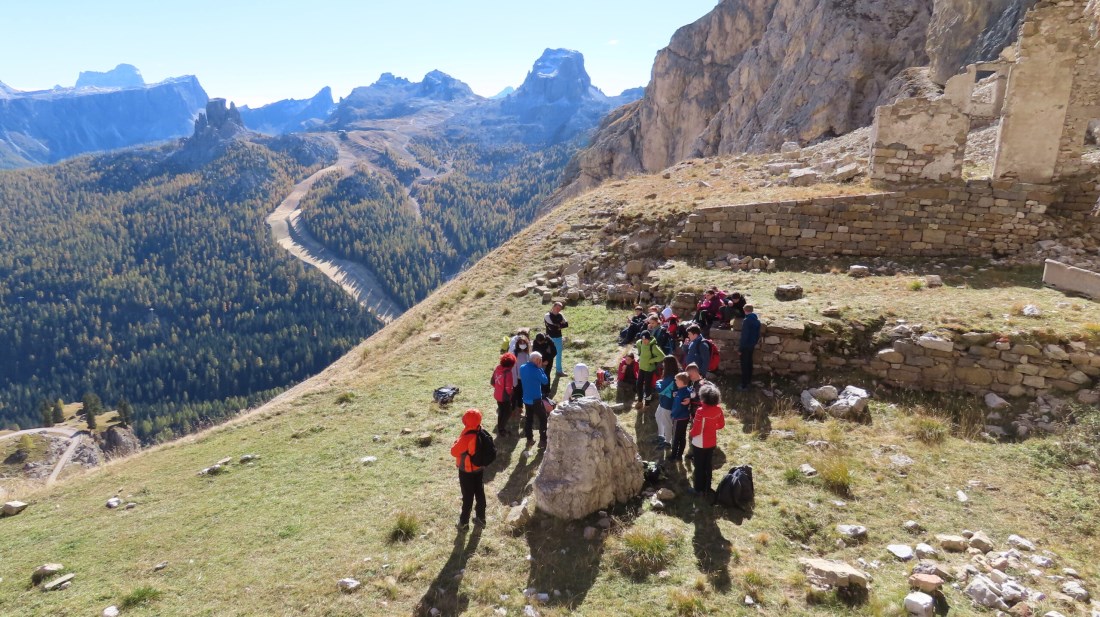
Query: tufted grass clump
930, 431
835, 473
405, 527
140, 596
642, 552
686, 604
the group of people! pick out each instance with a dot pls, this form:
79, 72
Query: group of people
668, 362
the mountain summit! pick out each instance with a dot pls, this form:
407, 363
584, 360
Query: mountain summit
122, 76
290, 115
559, 74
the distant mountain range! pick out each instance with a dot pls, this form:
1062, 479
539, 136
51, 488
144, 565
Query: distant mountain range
117, 109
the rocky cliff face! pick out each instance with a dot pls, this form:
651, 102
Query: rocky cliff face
963, 32
122, 76
51, 125
752, 74
394, 97
290, 115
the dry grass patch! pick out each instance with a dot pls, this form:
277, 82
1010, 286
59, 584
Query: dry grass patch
644, 551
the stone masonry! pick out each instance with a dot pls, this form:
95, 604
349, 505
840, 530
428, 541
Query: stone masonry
979, 218
919, 140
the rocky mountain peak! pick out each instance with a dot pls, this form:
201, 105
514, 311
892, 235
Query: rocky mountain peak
122, 76
390, 80
558, 74
218, 122
440, 86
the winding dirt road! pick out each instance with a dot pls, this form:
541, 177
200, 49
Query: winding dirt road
355, 278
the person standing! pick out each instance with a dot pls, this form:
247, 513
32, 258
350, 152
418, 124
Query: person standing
546, 348
555, 323
697, 350
750, 337
649, 356
709, 419
522, 351
680, 414
471, 478
533, 378
503, 388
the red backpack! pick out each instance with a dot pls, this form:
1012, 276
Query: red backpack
715, 355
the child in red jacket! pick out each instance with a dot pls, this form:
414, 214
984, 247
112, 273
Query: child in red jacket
471, 478
709, 419
628, 379
503, 390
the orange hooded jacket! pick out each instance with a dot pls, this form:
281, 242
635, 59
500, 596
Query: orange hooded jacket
704, 430
466, 444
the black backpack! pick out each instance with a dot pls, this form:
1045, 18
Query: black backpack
486, 451
578, 392
736, 489
652, 472
445, 395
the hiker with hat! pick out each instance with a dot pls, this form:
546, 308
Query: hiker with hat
555, 322
471, 477
581, 386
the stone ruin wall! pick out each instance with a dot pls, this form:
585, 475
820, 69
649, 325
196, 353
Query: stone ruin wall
978, 218
976, 362
919, 140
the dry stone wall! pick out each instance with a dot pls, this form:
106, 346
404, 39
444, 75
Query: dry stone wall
979, 218
919, 140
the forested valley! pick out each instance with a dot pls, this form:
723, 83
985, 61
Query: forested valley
145, 277
484, 195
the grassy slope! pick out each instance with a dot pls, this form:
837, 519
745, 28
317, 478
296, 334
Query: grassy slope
273, 537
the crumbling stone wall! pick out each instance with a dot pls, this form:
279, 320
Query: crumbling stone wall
1052, 94
979, 218
917, 140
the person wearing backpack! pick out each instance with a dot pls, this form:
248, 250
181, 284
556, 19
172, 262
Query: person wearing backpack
581, 387
545, 346
522, 351
649, 355
665, 387
679, 414
696, 349
471, 477
750, 338
503, 389
709, 419
555, 322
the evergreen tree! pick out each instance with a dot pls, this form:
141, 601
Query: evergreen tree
92, 407
58, 412
46, 410
125, 413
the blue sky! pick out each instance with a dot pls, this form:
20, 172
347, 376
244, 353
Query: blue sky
257, 52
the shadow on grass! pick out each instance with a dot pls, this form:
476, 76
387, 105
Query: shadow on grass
562, 560
443, 593
515, 488
506, 446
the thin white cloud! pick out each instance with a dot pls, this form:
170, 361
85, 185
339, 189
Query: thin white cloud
613, 42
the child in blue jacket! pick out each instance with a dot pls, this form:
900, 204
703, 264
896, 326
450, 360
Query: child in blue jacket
679, 414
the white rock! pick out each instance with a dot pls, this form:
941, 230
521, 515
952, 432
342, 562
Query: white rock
1053, 614
807, 470
854, 532
111, 611
113, 503
912, 527
369, 460
825, 394
1032, 311
12, 508
926, 551
919, 604
903, 552
938, 343
530, 611
811, 405
981, 542
961, 496
348, 585
1021, 543
1075, 590
858, 271
993, 401
803, 177
833, 573
985, 593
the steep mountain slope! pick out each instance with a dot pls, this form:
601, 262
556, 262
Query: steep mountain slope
150, 274
274, 535
51, 125
290, 115
122, 76
962, 32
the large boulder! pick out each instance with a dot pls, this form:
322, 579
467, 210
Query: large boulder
590, 461
119, 441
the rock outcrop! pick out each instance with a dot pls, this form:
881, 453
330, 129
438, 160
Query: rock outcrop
394, 97
590, 463
963, 32
752, 74
122, 76
119, 441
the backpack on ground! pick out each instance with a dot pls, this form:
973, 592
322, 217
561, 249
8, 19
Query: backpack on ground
445, 395
736, 489
652, 472
578, 392
486, 451
715, 355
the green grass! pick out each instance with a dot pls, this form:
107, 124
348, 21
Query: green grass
405, 527
273, 538
643, 551
930, 431
140, 596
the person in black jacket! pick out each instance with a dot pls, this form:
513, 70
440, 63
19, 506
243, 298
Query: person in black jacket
555, 322
545, 346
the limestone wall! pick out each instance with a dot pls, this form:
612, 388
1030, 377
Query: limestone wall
917, 140
978, 218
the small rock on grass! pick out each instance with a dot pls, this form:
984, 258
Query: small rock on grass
43, 571
12, 508
919, 604
807, 470
903, 552
113, 503
111, 611
348, 585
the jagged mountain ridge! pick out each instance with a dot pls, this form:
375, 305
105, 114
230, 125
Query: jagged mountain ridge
52, 125
290, 115
122, 76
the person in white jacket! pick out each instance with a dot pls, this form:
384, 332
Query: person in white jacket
581, 386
